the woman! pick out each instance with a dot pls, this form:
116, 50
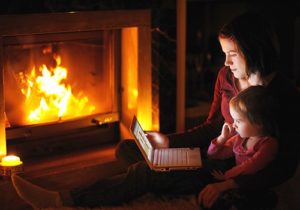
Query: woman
252, 40
251, 59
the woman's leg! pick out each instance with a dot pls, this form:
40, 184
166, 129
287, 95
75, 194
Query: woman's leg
138, 180
34, 195
128, 153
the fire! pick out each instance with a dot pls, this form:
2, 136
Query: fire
48, 97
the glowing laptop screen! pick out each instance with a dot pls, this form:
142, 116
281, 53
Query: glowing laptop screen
141, 137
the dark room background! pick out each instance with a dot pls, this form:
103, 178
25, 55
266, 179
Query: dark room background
203, 53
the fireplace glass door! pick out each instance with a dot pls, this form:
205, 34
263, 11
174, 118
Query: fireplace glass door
54, 78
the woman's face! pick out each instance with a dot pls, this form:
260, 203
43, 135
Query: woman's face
234, 59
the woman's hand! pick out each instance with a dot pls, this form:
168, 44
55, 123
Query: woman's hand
208, 196
158, 140
218, 175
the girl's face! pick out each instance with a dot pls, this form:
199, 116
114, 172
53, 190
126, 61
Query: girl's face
234, 59
243, 126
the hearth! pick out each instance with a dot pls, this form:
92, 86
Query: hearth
74, 80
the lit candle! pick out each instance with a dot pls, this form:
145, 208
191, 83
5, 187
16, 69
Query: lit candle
11, 160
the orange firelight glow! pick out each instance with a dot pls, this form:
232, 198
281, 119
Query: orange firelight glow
49, 97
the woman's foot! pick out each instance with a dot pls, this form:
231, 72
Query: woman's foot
34, 195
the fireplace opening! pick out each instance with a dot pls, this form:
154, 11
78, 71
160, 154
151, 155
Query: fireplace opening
59, 77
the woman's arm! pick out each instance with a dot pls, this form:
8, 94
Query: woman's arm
201, 135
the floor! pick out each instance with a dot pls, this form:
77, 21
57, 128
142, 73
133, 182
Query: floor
288, 194
149, 202
93, 163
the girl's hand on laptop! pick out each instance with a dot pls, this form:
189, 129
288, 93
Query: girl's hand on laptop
158, 140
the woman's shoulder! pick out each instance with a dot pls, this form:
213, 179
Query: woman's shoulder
282, 82
224, 72
267, 140
226, 78
284, 88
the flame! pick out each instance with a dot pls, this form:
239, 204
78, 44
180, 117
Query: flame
49, 98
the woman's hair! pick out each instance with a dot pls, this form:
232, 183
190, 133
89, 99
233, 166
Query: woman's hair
256, 40
259, 107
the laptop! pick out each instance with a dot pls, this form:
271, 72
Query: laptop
165, 159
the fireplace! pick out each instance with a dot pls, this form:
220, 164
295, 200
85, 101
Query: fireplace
74, 80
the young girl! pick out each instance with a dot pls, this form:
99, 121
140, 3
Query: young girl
251, 139
255, 144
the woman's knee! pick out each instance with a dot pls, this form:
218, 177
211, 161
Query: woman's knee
124, 148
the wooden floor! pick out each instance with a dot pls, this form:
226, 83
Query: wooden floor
62, 173
85, 167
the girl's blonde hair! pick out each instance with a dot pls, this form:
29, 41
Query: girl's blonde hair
259, 107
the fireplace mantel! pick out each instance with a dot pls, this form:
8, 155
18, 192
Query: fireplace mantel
11, 25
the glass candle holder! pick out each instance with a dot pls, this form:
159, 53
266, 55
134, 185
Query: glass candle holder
10, 164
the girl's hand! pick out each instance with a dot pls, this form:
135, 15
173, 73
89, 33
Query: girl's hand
227, 132
218, 175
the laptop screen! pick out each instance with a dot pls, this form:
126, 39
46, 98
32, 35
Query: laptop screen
141, 137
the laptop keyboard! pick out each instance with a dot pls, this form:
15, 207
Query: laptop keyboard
171, 157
